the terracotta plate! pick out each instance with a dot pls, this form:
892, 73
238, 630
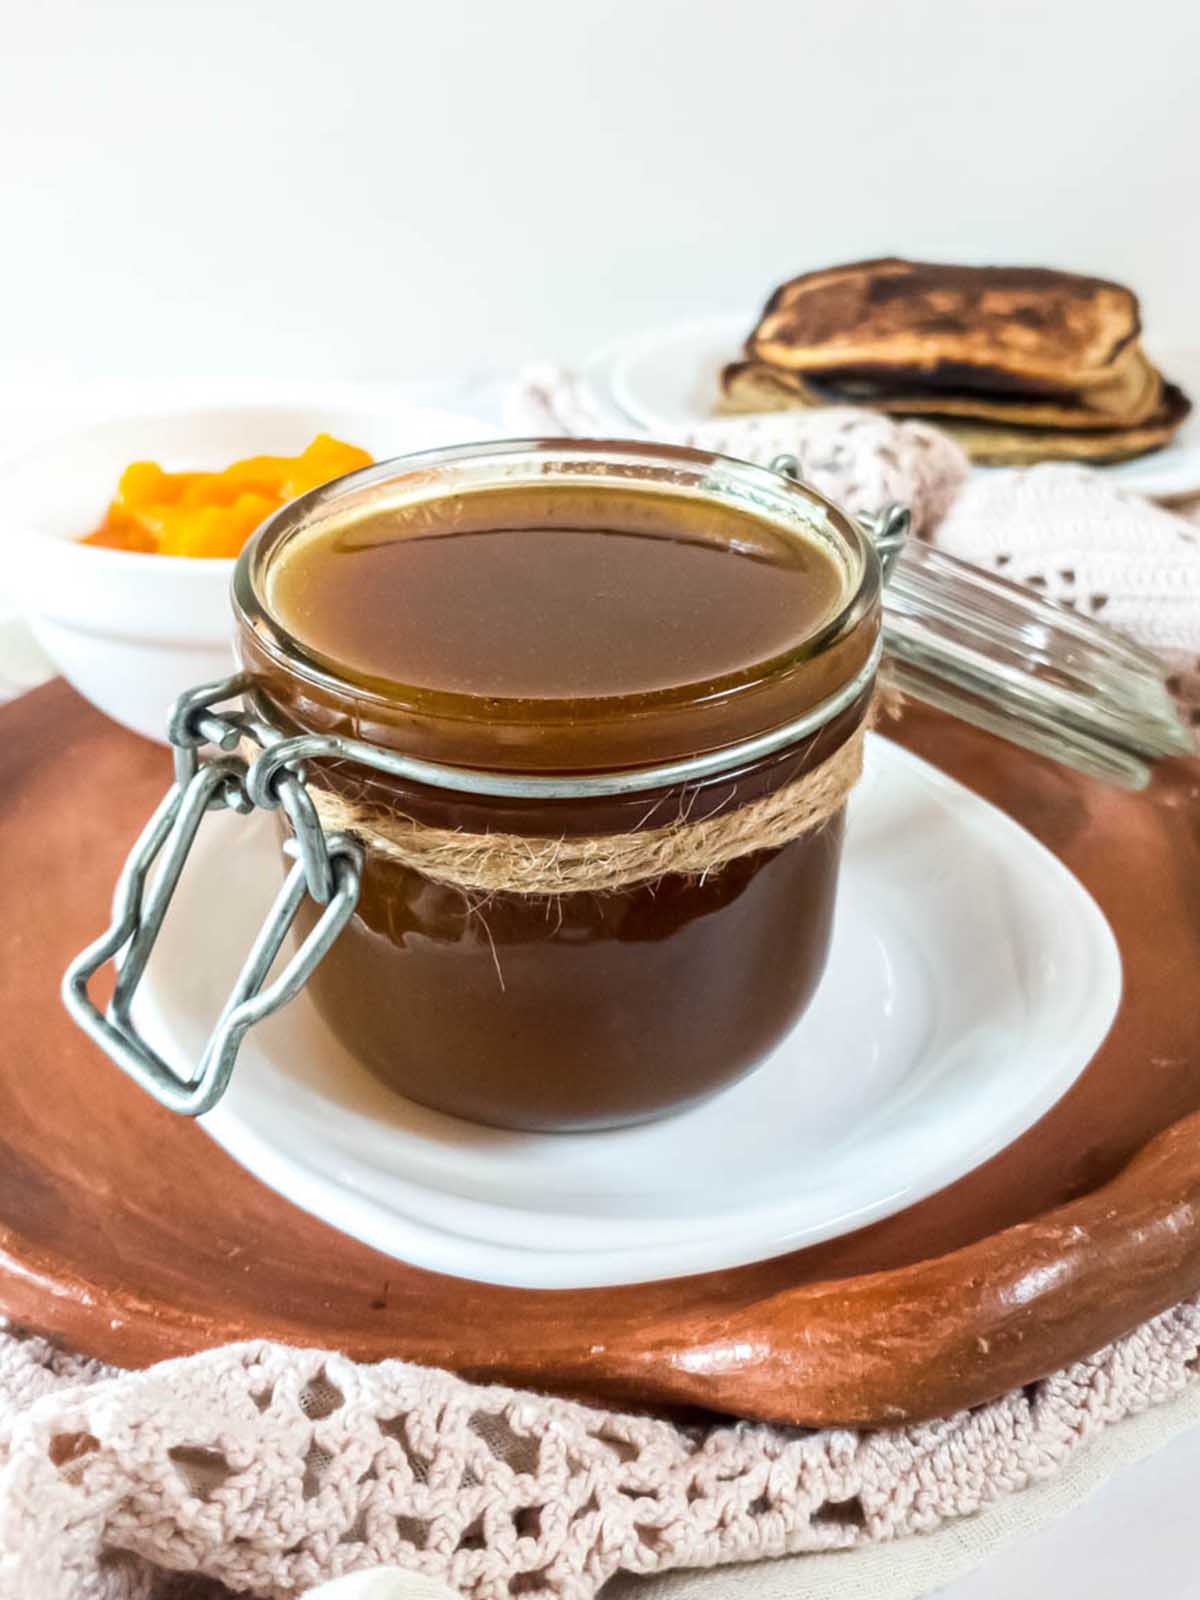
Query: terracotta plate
126, 1232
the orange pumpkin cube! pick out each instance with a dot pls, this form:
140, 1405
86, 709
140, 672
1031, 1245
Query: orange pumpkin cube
212, 514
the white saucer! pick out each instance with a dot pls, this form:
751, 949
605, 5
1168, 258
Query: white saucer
668, 378
971, 980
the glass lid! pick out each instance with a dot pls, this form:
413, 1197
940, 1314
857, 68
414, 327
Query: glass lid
993, 653
1017, 665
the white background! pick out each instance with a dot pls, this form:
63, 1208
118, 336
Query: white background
377, 188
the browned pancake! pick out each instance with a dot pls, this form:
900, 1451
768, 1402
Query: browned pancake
1030, 330
748, 387
993, 444
1133, 395
754, 386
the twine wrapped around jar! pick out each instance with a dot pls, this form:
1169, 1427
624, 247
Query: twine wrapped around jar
493, 863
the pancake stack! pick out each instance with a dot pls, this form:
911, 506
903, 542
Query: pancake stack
1020, 364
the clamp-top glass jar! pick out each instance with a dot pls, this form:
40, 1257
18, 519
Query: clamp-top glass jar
591, 642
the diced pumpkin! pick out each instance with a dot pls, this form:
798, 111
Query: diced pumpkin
212, 514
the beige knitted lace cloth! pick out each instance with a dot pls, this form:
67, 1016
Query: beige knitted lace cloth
271, 1470
258, 1470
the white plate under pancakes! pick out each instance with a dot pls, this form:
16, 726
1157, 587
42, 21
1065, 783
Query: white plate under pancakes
971, 979
667, 378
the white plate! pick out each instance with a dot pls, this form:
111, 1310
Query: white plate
971, 980
667, 379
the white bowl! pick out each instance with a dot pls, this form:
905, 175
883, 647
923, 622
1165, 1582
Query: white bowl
130, 631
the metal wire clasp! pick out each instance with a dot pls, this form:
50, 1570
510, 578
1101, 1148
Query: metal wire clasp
888, 528
328, 868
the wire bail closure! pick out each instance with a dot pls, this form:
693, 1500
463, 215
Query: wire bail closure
889, 528
328, 869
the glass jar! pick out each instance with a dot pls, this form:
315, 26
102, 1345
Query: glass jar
588, 1009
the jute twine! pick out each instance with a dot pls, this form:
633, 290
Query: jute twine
492, 863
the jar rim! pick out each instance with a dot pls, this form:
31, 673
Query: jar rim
749, 697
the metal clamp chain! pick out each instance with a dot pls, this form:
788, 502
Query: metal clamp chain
328, 869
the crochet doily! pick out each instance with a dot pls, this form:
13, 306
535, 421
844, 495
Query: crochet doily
272, 1469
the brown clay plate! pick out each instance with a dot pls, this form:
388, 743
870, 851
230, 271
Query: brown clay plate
129, 1234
